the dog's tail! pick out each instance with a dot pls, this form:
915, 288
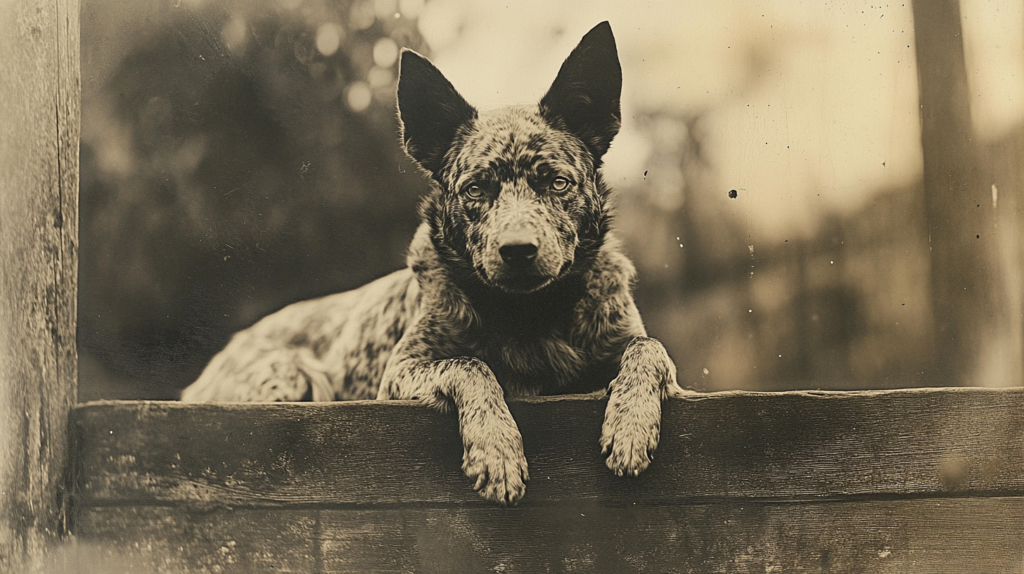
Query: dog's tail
244, 372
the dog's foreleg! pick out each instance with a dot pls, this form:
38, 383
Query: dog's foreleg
492, 446
632, 420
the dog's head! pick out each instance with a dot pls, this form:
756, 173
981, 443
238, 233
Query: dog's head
519, 198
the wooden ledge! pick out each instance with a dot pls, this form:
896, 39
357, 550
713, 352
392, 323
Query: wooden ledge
793, 445
897, 481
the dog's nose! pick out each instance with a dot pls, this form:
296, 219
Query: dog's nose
518, 252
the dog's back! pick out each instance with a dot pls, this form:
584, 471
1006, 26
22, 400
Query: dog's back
331, 348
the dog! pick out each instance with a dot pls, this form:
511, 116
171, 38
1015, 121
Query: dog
515, 284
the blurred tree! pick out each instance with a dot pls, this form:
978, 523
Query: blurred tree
977, 342
240, 157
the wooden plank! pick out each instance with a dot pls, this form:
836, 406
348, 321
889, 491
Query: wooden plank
39, 99
896, 536
755, 445
153, 540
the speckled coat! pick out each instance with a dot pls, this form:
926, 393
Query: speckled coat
515, 284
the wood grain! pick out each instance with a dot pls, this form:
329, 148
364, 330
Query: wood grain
39, 99
716, 446
897, 536
900, 481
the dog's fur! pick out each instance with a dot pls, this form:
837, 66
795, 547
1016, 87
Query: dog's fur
515, 285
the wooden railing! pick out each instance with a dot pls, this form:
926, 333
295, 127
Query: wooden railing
897, 481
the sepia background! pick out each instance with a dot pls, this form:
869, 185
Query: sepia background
815, 195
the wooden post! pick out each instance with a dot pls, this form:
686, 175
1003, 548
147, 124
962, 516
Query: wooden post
39, 96
977, 342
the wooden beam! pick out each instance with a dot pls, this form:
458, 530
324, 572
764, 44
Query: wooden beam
745, 445
39, 96
884, 536
878, 481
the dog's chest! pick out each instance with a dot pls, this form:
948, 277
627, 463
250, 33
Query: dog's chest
536, 354
534, 367
531, 342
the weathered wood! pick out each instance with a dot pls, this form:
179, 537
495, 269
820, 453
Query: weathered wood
891, 536
785, 445
895, 481
39, 99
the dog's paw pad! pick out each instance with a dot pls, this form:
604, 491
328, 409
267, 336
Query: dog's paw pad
498, 468
629, 450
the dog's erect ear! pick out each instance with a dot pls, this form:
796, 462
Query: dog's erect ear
430, 109
584, 99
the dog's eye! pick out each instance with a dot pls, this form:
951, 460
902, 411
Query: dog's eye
560, 184
474, 191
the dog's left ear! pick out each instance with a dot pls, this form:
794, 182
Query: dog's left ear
431, 110
584, 99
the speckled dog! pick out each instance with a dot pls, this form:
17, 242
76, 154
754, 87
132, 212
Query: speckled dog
515, 285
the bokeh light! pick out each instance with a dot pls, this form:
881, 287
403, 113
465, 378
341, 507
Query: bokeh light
328, 38
358, 96
361, 15
234, 34
385, 52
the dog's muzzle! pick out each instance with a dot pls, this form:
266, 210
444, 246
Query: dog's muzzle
518, 250
522, 260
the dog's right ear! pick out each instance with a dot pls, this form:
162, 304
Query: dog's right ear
430, 109
584, 99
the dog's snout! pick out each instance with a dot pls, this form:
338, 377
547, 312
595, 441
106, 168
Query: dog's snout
519, 251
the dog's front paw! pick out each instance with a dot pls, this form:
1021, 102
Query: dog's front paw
495, 460
632, 426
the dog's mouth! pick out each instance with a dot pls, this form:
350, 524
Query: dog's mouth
521, 281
